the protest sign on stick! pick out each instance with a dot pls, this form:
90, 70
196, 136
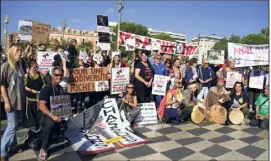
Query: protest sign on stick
119, 80
45, 60
103, 32
232, 77
215, 57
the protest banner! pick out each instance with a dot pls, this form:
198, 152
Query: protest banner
45, 60
147, 114
103, 32
61, 106
248, 55
160, 85
87, 80
88, 137
32, 30
215, 57
256, 81
119, 80
232, 77
146, 43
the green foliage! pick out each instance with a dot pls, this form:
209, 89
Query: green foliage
23, 44
163, 36
255, 39
222, 45
265, 32
85, 46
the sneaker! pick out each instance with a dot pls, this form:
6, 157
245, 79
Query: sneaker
42, 155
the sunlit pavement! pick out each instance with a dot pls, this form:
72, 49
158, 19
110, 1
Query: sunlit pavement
183, 142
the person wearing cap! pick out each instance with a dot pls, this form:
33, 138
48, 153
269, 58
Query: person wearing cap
189, 101
261, 118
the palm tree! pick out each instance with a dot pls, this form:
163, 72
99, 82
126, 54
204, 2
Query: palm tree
85, 46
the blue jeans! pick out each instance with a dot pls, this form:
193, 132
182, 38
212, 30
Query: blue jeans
157, 100
9, 141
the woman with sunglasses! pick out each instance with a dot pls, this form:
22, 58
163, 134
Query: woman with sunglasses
34, 82
129, 104
143, 79
168, 65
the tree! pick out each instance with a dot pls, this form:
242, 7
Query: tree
163, 36
235, 39
255, 39
85, 46
222, 44
265, 32
128, 27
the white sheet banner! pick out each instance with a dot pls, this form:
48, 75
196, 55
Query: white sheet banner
159, 85
119, 79
45, 60
147, 114
248, 55
232, 77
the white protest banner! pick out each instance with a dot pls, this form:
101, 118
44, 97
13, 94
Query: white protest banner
232, 77
160, 85
25, 30
248, 55
45, 60
61, 106
147, 43
119, 79
103, 32
90, 136
256, 81
147, 114
215, 57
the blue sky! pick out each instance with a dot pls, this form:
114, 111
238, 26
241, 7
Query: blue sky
197, 17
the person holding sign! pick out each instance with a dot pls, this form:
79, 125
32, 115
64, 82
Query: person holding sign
51, 122
144, 77
261, 118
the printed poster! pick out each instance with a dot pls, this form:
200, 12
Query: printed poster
45, 61
147, 114
248, 55
130, 44
232, 77
256, 81
119, 80
215, 57
25, 30
61, 106
160, 85
103, 32
101, 128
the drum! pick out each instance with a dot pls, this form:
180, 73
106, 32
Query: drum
198, 114
236, 117
217, 114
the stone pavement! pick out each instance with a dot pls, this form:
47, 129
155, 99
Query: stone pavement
183, 142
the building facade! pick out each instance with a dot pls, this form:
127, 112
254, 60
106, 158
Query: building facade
205, 42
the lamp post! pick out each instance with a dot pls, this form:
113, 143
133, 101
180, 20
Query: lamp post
119, 8
6, 33
63, 27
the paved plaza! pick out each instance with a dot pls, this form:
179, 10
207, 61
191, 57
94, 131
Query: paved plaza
183, 142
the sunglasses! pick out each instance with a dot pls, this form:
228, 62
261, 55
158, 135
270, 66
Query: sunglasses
130, 87
179, 87
206, 63
57, 75
158, 58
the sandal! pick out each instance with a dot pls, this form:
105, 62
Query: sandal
42, 155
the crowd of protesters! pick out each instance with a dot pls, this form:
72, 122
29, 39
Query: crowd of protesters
26, 92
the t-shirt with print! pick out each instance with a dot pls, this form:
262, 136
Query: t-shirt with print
48, 91
241, 99
264, 109
145, 72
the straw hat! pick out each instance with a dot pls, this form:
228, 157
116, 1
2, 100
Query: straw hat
236, 117
218, 114
198, 114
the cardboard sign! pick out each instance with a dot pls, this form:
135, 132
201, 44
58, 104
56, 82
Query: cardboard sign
160, 85
232, 77
215, 57
119, 80
256, 81
83, 80
147, 43
115, 134
45, 61
147, 114
248, 55
32, 30
61, 106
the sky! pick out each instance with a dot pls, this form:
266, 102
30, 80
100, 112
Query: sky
192, 18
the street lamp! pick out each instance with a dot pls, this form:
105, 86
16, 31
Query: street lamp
63, 27
119, 8
6, 32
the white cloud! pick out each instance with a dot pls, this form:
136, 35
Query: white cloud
74, 20
109, 10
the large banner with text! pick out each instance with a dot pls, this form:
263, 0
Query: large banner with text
248, 55
87, 80
145, 43
101, 128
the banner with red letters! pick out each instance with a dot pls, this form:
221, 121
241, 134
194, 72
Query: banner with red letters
119, 80
182, 48
147, 43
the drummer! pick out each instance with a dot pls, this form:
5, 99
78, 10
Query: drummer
189, 101
218, 95
239, 98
